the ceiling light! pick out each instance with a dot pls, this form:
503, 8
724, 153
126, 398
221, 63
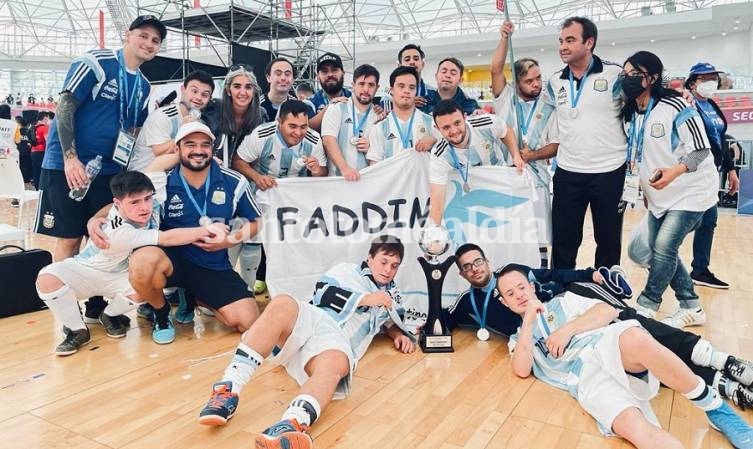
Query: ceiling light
737, 20
692, 37
541, 50
613, 44
653, 40
735, 27
724, 33
478, 54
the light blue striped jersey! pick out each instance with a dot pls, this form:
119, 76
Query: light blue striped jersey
338, 122
541, 126
338, 293
485, 147
160, 126
264, 150
560, 372
384, 138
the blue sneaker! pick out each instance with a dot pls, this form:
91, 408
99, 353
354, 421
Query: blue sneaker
163, 334
184, 313
146, 311
732, 426
285, 434
221, 406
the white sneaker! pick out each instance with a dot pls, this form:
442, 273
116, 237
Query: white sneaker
645, 311
686, 317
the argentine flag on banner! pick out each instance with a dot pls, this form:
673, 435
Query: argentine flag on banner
311, 224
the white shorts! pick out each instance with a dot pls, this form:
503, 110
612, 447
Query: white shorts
86, 282
542, 210
314, 332
605, 390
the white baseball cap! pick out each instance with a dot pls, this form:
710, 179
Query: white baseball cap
193, 127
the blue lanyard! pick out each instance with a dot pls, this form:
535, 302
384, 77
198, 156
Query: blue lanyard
574, 99
635, 139
457, 165
123, 92
525, 124
202, 211
357, 130
405, 135
481, 319
286, 158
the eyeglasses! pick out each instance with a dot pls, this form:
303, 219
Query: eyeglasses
623, 75
478, 263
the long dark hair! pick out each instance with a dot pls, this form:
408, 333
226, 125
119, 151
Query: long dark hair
251, 119
651, 64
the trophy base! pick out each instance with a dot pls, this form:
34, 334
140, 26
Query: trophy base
436, 343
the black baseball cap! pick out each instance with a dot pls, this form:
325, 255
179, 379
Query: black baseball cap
329, 58
149, 20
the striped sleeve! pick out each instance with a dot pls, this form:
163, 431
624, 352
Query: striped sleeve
329, 294
84, 73
690, 130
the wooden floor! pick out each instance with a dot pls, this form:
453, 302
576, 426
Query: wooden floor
132, 393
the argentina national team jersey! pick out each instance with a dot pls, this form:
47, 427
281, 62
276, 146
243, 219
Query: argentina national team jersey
94, 80
560, 372
672, 131
338, 293
484, 148
160, 126
338, 122
264, 150
536, 119
124, 237
384, 138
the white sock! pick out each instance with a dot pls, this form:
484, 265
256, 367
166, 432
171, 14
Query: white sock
250, 258
64, 307
244, 364
120, 305
704, 397
304, 408
706, 355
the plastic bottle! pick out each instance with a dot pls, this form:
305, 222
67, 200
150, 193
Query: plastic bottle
92, 170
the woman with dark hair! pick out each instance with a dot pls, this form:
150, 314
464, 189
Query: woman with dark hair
669, 151
234, 116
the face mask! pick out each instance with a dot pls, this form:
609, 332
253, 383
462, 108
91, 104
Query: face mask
632, 86
706, 88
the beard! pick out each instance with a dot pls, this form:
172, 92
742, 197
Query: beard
333, 89
195, 166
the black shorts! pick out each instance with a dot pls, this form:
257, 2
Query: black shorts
60, 216
211, 287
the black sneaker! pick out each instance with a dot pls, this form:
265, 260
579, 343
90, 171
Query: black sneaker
93, 308
740, 370
707, 279
73, 341
115, 326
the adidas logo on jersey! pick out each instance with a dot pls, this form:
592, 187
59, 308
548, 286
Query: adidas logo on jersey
175, 199
115, 222
348, 120
391, 136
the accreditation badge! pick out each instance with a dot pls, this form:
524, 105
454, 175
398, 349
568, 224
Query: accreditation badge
630, 189
123, 148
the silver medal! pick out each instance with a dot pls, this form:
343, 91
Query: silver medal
466, 187
573, 113
205, 221
301, 161
482, 334
354, 140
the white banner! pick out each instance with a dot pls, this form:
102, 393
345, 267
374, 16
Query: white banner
311, 224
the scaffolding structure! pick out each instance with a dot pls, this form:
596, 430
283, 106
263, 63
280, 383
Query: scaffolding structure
294, 29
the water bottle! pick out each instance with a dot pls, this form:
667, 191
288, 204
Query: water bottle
92, 170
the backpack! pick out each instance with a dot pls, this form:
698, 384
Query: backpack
32, 135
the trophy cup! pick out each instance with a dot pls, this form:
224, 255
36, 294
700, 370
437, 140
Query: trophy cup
434, 241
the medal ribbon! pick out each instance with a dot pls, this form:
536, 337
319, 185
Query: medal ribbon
574, 99
407, 134
481, 318
202, 211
